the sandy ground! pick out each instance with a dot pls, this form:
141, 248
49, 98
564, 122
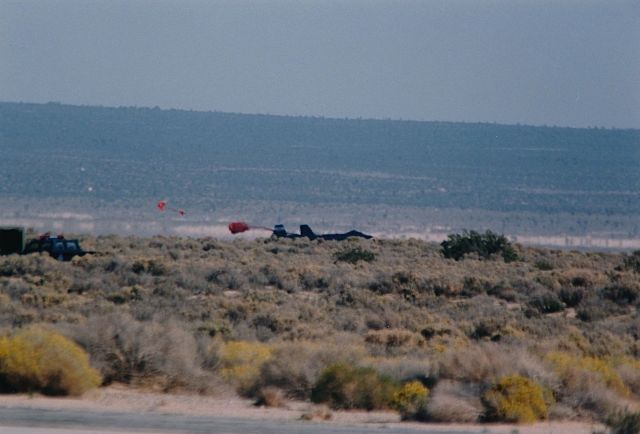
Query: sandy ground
121, 399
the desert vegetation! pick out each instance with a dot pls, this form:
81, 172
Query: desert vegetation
484, 245
373, 324
36, 359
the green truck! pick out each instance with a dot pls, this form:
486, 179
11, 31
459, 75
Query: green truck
13, 240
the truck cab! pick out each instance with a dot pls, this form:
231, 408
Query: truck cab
57, 246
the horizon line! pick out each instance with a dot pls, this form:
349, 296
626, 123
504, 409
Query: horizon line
333, 118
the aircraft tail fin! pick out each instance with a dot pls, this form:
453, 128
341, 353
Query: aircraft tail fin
306, 231
279, 231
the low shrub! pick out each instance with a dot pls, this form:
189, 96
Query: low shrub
484, 245
625, 423
453, 401
488, 328
392, 341
594, 309
566, 366
354, 255
572, 296
411, 401
581, 281
515, 399
241, 362
270, 397
295, 367
39, 360
152, 266
344, 386
407, 368
472, 286
621, 294
632, 263
544, 264
547, 302
487, 362
317, 412
629, 370
143, 352
585, 392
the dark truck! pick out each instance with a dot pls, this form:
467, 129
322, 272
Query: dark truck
12, 240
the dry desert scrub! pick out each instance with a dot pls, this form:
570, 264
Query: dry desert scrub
155, 353
453, 401
629, 371
294, 367
40, 360
269, 316
624, 423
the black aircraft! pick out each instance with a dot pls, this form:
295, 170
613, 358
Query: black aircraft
306, 232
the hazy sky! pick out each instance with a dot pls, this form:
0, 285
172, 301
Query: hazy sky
573, 63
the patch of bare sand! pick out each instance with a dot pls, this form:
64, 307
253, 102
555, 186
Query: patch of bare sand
118, 398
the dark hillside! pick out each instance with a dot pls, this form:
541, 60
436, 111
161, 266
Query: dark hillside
207, 158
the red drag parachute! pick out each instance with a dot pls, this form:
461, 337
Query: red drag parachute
238, 227
162, 206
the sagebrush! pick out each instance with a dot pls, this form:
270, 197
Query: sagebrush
180, 314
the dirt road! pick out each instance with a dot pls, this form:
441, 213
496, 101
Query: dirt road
36, 420
117, 409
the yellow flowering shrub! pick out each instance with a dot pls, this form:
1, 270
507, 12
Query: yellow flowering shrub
515, 399
242, 360
411, 400
39, 360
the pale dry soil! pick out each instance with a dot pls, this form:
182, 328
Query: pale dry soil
116, 398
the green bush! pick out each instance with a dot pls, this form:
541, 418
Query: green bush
544, 264
343, 386
38, 360
572, 296
489, 327
621, 294
484, 245
547, 302
515, 399
354, 255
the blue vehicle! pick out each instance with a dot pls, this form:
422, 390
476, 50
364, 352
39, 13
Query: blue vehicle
58, 247
12, 241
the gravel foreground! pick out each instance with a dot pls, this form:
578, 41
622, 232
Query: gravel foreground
119, 399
